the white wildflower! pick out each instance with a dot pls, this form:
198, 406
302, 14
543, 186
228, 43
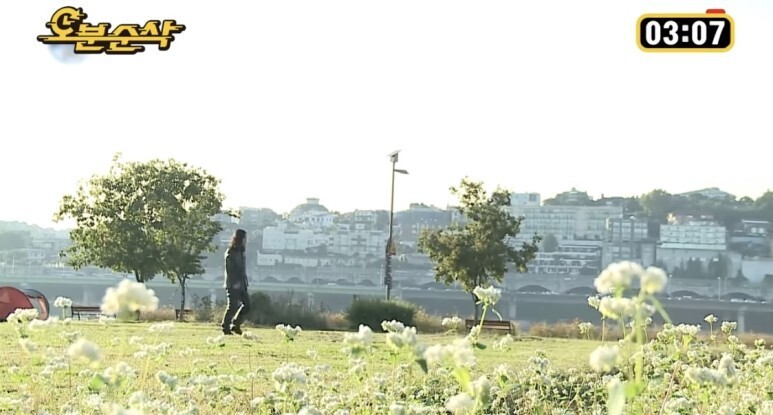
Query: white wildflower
618, 275
488, 296
84, 350
161, 327
460, 404
289, 333
653, 280
604, 358
62, 302
129, 297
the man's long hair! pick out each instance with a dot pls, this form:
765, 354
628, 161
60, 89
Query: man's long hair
237, 241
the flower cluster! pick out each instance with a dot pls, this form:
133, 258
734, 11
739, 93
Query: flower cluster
127, 298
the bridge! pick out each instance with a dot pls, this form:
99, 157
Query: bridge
526, 283
90, 289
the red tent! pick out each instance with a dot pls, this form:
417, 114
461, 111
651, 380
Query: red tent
12, 298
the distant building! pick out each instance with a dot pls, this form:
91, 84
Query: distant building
710, 193
410, 223
347, 242
575, 258
688, 240
751, 238
627, 240
697, 235
285, 237
573, 197
525, 199
566, 223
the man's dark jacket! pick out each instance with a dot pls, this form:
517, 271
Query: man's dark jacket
235, 270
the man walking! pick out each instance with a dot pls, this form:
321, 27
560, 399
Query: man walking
236, 284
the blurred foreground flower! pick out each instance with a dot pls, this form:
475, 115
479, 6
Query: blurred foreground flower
127, 298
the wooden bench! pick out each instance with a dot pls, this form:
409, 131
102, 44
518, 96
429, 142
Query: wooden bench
186, 313
93, 310
502, 325
77, 310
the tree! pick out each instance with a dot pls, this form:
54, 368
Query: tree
549, 243
657, 204
718, 267
116, 227
189, 200
126, 218
478, 251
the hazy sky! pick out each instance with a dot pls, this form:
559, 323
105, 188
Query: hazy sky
285, 100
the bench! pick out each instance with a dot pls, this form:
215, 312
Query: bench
77, 310
93, 310
503, 325
186, 313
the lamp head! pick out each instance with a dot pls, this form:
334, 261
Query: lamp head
393, 156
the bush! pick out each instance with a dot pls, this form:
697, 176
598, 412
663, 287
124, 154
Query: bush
372, 312
206, 312
267, 311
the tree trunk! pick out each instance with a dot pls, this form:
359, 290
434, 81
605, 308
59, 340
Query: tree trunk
182, 297
137, 276
475, 313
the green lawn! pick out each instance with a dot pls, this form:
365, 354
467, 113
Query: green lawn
238, 356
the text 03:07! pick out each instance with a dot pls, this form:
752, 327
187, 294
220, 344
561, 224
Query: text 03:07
698, 33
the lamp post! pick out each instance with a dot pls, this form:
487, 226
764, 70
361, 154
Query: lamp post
388, 251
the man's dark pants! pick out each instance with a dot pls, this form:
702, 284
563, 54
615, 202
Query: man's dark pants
238, 307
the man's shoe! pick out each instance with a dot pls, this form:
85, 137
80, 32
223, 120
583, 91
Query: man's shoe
227, 332
237, 330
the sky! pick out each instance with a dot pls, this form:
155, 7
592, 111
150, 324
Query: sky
285, 100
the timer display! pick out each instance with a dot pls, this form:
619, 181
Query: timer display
705, 32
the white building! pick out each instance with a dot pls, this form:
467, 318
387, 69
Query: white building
701, 235
357, 242
348, 242
566, 223
696, 240
285, 238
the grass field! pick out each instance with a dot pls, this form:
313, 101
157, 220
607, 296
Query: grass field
127, 368
195, 349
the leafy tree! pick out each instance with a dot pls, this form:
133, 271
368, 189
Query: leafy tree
717, 267
132, 218
657, 204
478, 251
188, 201
116, 225
549, 243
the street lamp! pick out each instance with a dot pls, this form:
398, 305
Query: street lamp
388, 254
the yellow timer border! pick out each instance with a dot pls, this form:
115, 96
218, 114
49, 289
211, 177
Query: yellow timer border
688, 50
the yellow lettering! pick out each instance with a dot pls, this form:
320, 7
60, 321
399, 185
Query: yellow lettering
151, 28
128, 30
89, 46
123, 47
171, 27
89, 30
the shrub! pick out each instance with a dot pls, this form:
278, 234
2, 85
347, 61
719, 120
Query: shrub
267, 311
427, 323
372, 312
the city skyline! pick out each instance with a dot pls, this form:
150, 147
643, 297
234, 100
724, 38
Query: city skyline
319, 98
331, 206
